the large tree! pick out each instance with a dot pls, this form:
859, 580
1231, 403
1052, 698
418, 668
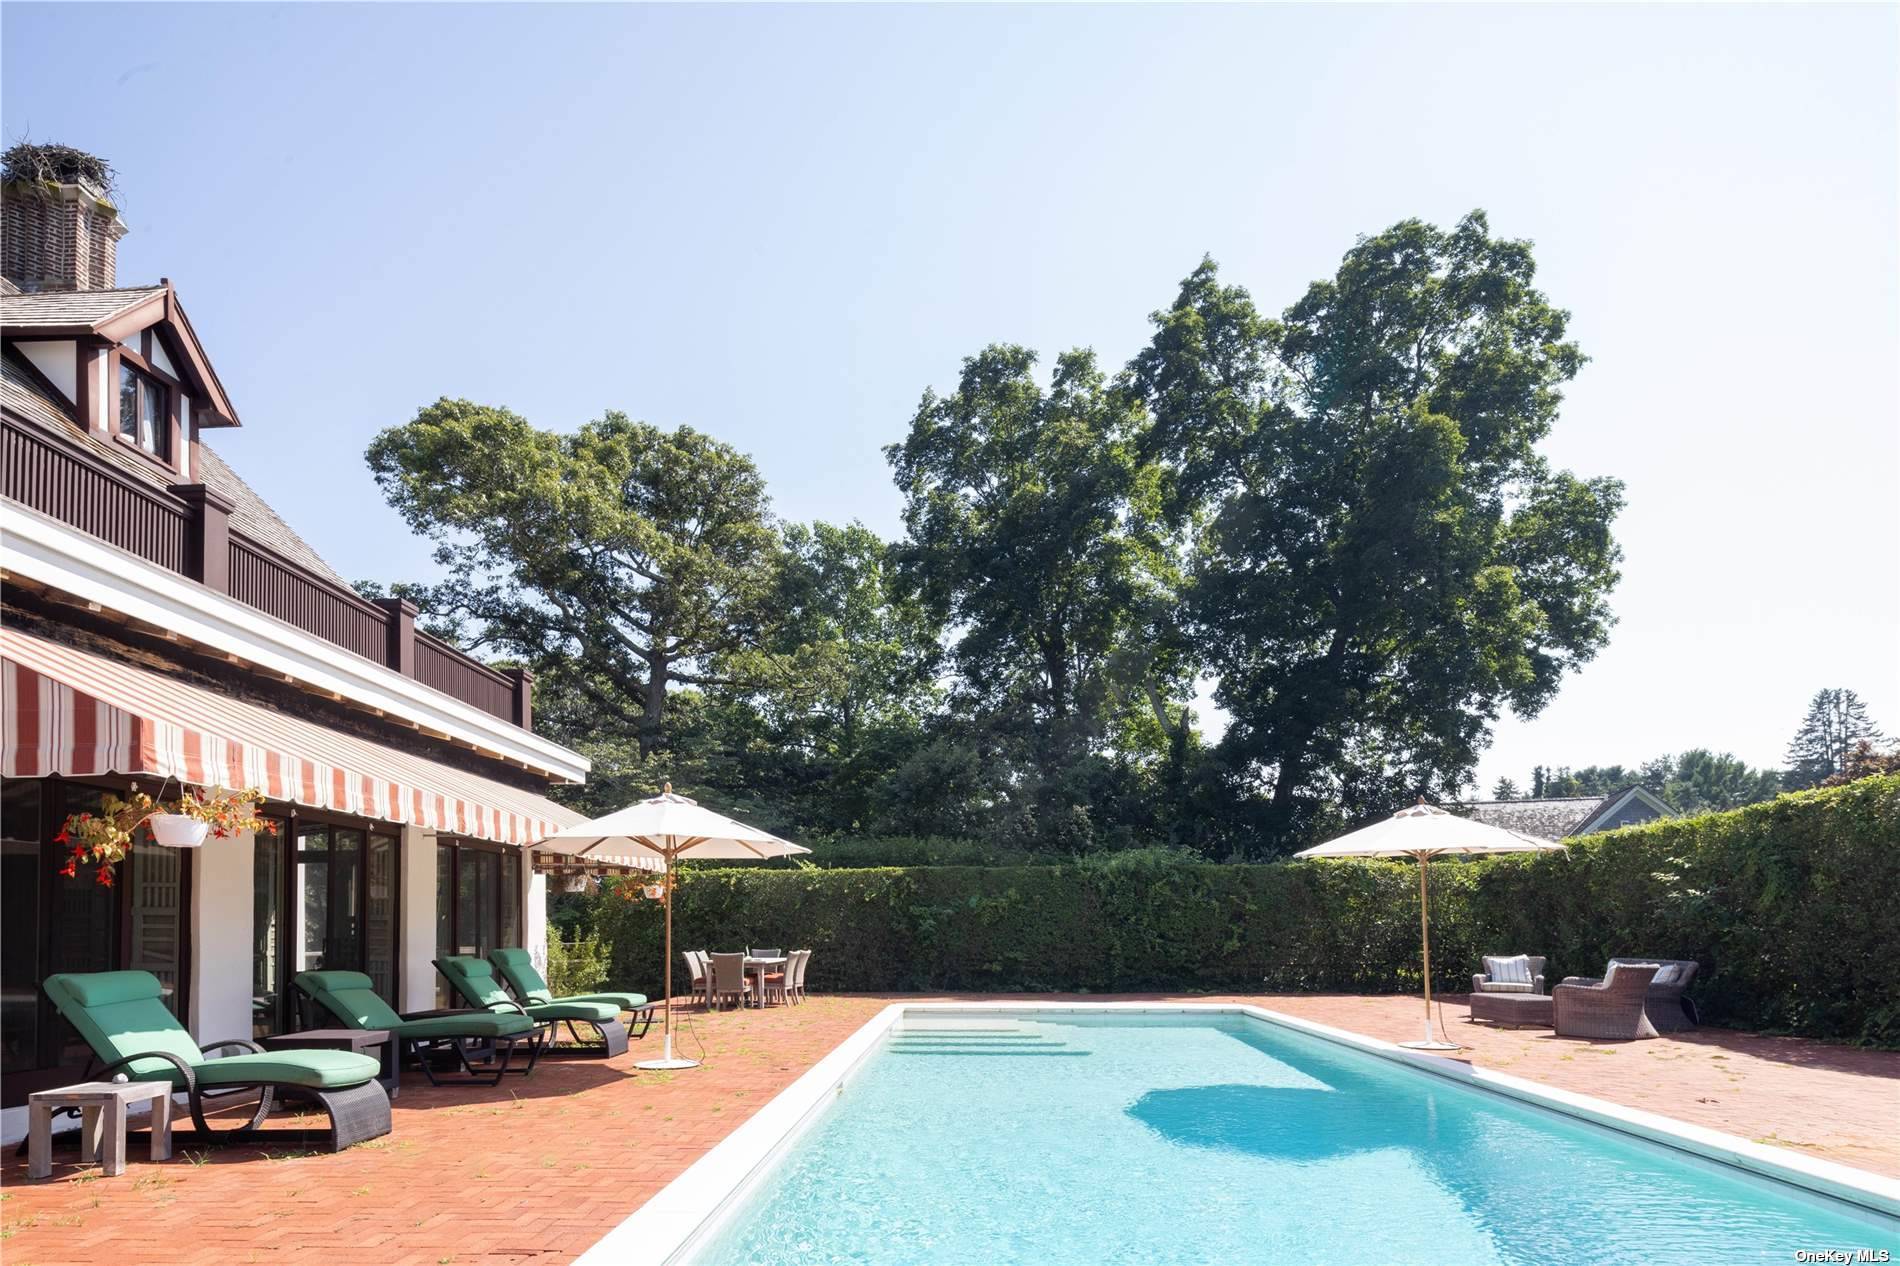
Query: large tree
1384, 560
623, 559
1836, 722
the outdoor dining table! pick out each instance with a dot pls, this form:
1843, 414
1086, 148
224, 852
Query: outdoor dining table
759, 966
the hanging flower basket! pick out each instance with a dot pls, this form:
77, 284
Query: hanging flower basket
177, 830
654, 892
103, 839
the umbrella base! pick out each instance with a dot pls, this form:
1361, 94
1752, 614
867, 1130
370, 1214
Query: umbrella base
666, 1063
1431, 1046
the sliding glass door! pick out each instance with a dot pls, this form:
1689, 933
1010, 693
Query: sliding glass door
324, 899
477, 902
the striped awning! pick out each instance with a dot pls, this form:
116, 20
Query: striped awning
69, 712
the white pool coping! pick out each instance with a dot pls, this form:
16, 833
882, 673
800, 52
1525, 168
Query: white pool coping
679, 1218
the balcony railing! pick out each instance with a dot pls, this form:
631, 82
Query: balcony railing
187, 530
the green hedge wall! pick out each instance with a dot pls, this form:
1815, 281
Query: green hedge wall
1792, 907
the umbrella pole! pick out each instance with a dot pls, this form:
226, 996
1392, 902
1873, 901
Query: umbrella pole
666, 1060
1425, 955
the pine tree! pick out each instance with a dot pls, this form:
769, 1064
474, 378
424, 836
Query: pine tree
1837, 720
1505, 790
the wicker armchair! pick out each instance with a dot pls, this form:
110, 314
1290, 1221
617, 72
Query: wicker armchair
1610, 1008
1668, 1006
1481, 982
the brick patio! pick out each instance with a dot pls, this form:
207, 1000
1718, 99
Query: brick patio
539, 1168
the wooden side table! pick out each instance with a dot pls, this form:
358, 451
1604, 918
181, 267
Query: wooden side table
102, 1106
358, 1040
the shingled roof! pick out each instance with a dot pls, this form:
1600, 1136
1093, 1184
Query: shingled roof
61, 309
22, 395
1555, 817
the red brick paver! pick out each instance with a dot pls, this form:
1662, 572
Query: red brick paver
541, 1167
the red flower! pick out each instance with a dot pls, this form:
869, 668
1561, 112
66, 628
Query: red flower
105, 877
61, 837
68, 870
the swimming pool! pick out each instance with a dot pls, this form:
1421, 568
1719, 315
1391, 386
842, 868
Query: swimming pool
1054, 1138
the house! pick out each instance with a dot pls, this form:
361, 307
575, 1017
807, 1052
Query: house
160, 624
1561, 816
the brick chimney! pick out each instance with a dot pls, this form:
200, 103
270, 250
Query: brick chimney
60, 232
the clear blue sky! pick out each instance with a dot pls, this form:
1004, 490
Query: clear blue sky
780, 224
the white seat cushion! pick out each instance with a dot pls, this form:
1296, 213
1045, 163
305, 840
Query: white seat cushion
1506, 986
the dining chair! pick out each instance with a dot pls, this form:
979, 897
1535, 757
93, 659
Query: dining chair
729, 978
796, 982
695, 972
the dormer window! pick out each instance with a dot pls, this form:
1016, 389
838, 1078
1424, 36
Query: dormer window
143, 418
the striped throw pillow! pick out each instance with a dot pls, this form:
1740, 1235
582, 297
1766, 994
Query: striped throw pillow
1515, 970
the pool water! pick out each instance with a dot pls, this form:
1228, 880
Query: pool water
1083, 1140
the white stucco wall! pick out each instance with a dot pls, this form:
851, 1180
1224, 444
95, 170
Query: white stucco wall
534, 920
222, 908
418, 920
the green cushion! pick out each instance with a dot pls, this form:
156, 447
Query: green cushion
318, 1070
350, 996
567, 1009
468, 1024
121, 1013
517, 968
619, 1001
474, 978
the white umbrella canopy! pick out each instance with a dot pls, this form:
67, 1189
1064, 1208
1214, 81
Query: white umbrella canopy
1425, 831
658, 832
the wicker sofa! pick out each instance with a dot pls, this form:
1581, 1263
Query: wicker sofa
1668, 1005
1481, 982
1612, 1008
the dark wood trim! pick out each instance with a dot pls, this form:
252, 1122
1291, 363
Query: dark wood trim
207, 535
143, 363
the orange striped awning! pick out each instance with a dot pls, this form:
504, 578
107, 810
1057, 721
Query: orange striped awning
69, 712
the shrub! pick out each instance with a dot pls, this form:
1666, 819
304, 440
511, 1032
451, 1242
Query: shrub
576, 967
1788, 905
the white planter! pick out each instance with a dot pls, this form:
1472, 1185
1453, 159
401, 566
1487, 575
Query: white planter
175, 830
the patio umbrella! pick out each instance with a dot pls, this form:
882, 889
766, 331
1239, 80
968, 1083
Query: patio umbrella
668, 827
1423, 832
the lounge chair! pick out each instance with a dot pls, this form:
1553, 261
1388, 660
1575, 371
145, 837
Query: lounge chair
518, 970
351, 998
1507, 975
1608, 1008
475, 980
121, 1017
1668, 1006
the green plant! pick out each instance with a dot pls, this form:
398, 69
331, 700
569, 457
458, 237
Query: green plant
1788, 905
103, 839
576, 967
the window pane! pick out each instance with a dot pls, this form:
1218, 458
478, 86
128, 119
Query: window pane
128, 401
155, 888
149, 414
510, 901
478, 912
344, 950
21, 877
380, 930
267, 933
312, 904
160, 424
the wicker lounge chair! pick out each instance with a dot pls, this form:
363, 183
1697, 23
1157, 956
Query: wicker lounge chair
475, 980
1486, 981
350, 998
518, 970
1668, 1006
130, 1031
1609, 1008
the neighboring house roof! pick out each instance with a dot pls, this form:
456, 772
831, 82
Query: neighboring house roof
118, 315
1560, 816
23, 396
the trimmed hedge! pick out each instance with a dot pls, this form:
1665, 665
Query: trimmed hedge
1791, 907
